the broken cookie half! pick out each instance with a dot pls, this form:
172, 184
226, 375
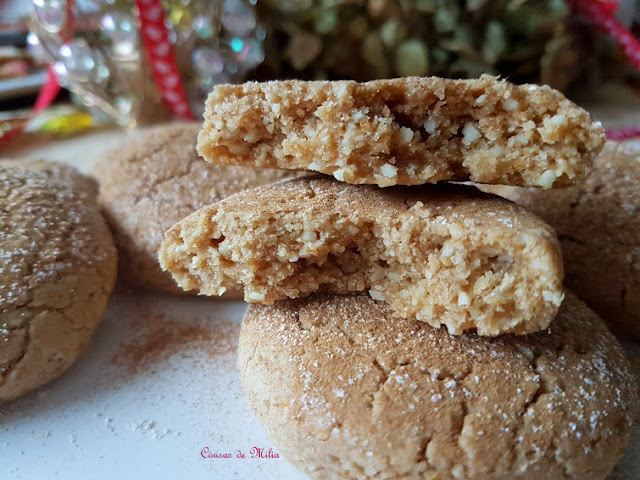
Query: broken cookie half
404, 131
447, 255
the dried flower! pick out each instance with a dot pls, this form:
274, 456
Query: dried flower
367, 39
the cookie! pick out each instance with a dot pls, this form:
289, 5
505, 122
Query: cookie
344, 390
445, 254
404, 131
57, 269
598, 224
147, 187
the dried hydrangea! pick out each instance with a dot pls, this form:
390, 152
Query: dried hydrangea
367, 39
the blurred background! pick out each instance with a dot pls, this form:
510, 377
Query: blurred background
73, 66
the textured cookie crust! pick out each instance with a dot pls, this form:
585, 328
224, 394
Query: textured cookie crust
147, 187
598, 224
57, 269
444, 254
404, 131
345, 390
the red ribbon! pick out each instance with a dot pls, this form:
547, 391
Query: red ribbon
623, 133
47, 94
602, 13
48, 91
161, 56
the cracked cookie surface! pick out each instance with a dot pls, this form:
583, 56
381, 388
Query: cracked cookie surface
598, 225
345, 390
147, 187
57, 269
404, 131
444, 254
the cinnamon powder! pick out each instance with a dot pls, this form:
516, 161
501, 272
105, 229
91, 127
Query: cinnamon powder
155, 339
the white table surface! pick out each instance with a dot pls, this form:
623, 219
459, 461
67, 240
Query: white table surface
136, 407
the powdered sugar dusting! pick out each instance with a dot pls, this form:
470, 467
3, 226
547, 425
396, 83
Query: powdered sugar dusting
48, 225
340, 363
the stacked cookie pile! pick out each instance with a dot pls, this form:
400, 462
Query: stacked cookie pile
344, 354
415, 331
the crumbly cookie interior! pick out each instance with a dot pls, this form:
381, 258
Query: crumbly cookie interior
598, 226
495, 280
404, 131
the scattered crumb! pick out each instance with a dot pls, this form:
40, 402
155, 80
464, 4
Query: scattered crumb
149, 426
73, 440
157, 338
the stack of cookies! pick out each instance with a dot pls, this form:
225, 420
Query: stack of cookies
420, 330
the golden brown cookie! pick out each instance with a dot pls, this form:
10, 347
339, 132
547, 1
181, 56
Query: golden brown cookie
57, 269
404, 131
445, 254
598, 224
147, 187
345, 390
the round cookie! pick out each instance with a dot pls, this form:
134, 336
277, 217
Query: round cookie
148, 186
404, 131
598, 225
345, 390
443, 254
57, 268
